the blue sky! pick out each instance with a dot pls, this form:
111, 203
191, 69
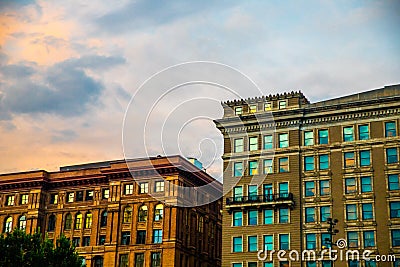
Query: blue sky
69, 68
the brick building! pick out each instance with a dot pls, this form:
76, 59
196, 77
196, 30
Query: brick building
291, 164
115, 220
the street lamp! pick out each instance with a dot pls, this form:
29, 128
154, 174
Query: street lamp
332, 231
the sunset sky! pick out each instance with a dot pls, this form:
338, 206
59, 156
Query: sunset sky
68, 69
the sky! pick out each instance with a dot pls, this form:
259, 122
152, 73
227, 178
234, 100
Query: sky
86, 81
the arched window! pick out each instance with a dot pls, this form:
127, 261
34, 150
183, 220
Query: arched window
78, 221
128, 214
158, 212
68, 221
143, 213
52, 223
88, 220
103, 219
22, 222
98, 261
8, 225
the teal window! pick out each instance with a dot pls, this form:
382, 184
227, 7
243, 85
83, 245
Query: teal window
323, 162
268, 242
284, 241
238, 169
157, 236
308, 138
253, 167
354, 263
349, 160
350, 185
369, 239
363, 132
267, 192
238, 193
395, 238
352, 239
394, 209
253, 192
311, 242
351, 212
324, 188
237, 244
366, 184
268, 216
237, 265
365, 158
268, 166
252, 217
238, 145
311, 264
348, 134
310, 214
370, 263
367, 212
326, 240
326, 264
283, 140
391, 155
253, 143
268, 143
283, 164
268, 264
325, 213
309, 163
283, 189
237, 218
283, 215
309, 189
393, 182
390, 129
323, 137
252, 243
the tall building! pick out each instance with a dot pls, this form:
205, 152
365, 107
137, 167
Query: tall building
291, 164
115, 220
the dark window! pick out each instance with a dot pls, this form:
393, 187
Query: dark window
141, 237
102, 239
76, 241
365, 158
123, 260
52, 223
103, 219
323, 162
139, 259
86, 241
155, 259
68, 221
53, 198
89, 195
79, 196
98, 261
125, 238
395, 238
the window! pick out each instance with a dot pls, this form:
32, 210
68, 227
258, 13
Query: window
144, 188
237, 244
310, 215
123, 260
156, 259
267, 188
326, 240
324, 188
238, 193
309, 163
370, 263
309, 188
141, 237
76, 241
252, 192
308, 138
348, 134
267, 106
390, 129
10, 200
79, 196
51, 223
128, 189
349, 160
139, 259
159, 186
283, 140
253, 167
366, 185
125, 238
268, 143
157, 236
105, 193
98, 261
22, 223
158, 212
369, 239
88, 220
268, 216
395, 238
311, 264
352, 239
238, 169
86, 241
363, 132
350, 185
354, 263
391, 155
238, 145
394, 209
283, 264
252, 217
78, 221
24, 199
238, 111
393, 183
365, 158
268, 242
311, 242
325, 213
323, 137
237, 218
323, 162
326, 264
252, 108
103, 219
282, 104
102, 240
71, 196
284, 189
89, 195
8, 225
367, 213
284, 241
253, 143
127, 218
252, 243
252, 264
268, 166
283, 215
283, 164
268, 264
143, 213
68, 221
351, 212
53, 198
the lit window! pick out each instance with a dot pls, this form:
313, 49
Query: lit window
157, 236
309, 163
348, 134
238, 145
284, 241
268, 216
366, 185
394, 209
268, 242
283, 140
253, 108
391, 155
309, 188
325, 213
156, 259
283, 215
144, 188
311, 242
268, 142
349, 160
237, 218
8, 222
323, 162
367, 213
128, 189
78, 221
238, 169
105, 193
323, 137
159, 186
350, 185
252, 217
365, 158
88, 220
252, 243
267, 106
363, 132
253, 167
393, 182
282, 104
142, 213
352, 239
351, 212
310, 215
158, 212
24, 199
308, 138
238, 111
10, 200
127, 218
237, 244
268, 166
22, 223
324, 188
283, 164
390, 129
253, 143
71, 197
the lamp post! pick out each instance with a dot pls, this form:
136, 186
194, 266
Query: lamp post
332, 231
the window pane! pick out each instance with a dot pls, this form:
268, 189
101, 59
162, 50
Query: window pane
268, 216
268, 242
325, 213
309, 163
391, 155
363, 132
394, 209
324, 187
283, 140
237, 244
349, 160
252, 243
284, 241
252, 217
238, 110
369, 239
283, 165
323, 137
390, 129
366, 185
350, 184
253, 167
351, 212
268, 166
393, 181
367, 212
283, 215
238, 169
309, 189
323, 162
237, 218
308, 138
252, 108
253, 143
311, 242
352, 239
268, 142
310, 215
365, 158
238, 145
348, 134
